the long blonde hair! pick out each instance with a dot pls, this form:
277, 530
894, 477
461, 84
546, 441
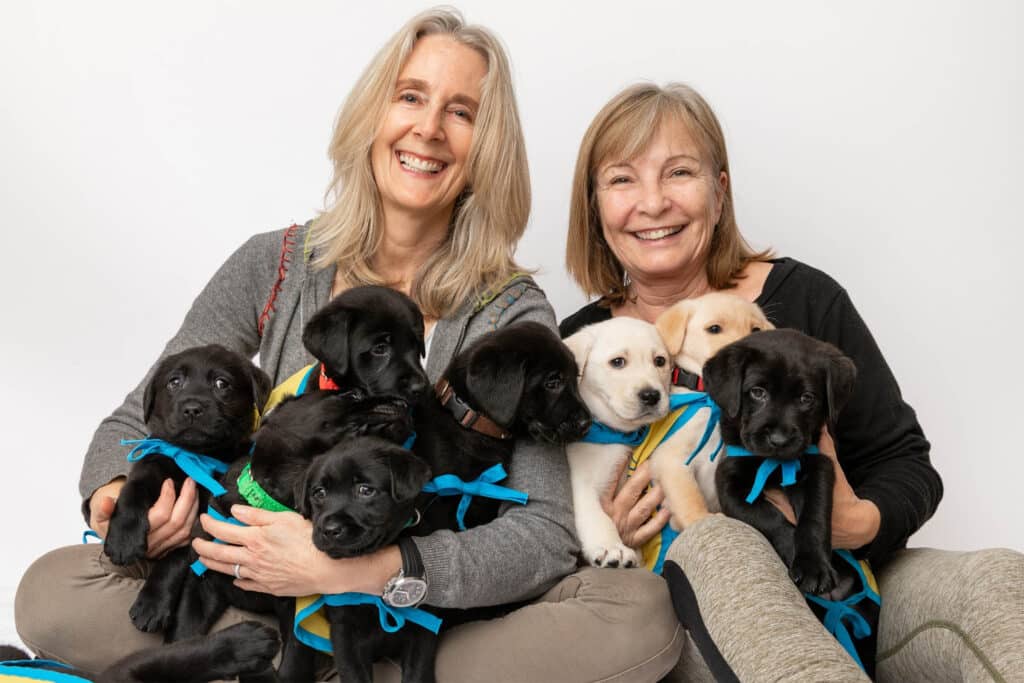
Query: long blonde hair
622, 129
490, 214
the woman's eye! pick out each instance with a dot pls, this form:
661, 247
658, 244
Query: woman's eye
221, 383
408, 97
714, 329
807, 398
174, 383
618, 180
681, 173
463, 114
758, 393
659, 361
365, 490
618, 363
318, 493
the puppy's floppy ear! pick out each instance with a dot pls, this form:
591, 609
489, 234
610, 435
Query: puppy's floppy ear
723, 377
409, 474
261, 386
840, 376
326, 336
580, 345
301, 490
152, 388
496, 378
417, 324
672, 324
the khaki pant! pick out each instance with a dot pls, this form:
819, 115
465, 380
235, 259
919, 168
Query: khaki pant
608, 624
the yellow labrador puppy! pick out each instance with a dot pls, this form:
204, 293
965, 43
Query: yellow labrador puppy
694, 330
624, 380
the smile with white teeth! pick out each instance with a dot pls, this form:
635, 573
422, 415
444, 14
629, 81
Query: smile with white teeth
415, 163
658, 233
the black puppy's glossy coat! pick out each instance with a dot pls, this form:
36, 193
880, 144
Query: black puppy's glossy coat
203, 399
370, 338
777, 389
360, 495
244, 651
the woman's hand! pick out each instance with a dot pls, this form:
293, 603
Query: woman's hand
855, 521
631, 508
275, 554
171, 517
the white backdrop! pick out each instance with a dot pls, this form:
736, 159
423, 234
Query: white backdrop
140, 143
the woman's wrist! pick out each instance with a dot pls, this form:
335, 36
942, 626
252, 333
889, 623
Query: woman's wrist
861, 523
364, 574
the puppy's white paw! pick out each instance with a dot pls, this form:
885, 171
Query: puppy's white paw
612, 555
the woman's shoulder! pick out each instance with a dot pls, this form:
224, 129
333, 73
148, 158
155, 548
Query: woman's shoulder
594, 312
518, 297
789, 277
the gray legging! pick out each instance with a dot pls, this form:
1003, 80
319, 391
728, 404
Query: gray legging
946, 616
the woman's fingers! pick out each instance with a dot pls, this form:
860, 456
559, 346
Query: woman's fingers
177, 529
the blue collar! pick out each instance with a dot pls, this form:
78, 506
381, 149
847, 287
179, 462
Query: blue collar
391, 618
198, 568
840, 613
33, 670
200, 467
790, 468
452, 485
694, 401
603, 434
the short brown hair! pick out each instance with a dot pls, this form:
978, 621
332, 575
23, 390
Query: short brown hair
622, 129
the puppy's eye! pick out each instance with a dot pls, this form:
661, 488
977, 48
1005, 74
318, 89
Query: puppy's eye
755, 328
221, 383
318, 493
659, 361
173, 383
807, 398
758, 394
365, 490
382, 347
553, 382
713, 329
618, 362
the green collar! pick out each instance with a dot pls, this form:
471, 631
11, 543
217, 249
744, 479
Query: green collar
255, 495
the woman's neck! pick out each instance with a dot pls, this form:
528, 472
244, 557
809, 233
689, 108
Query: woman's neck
408, 242
647, 299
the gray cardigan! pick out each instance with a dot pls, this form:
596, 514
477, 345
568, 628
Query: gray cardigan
258, 303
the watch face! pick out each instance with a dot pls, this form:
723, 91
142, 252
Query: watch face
407, 592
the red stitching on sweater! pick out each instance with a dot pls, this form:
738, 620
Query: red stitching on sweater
287, 247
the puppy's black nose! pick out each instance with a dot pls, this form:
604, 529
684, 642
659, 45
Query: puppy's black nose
650, 397
779, 438
192, 410
413, 386
583, 424
333, 528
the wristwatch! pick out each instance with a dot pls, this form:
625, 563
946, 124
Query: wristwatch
407, 587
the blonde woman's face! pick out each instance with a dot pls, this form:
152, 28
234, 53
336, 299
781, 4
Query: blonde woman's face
658, 210
419, 156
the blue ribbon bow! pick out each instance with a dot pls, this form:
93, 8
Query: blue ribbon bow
790, 468
694, 401
452, 485
602, 433
840, 613
391, 618
200, 467
198, 568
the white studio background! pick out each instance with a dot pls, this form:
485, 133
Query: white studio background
140, 143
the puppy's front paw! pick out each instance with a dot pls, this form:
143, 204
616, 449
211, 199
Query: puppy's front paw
248, 647
126, 541
611, 555
151, 612
813, 573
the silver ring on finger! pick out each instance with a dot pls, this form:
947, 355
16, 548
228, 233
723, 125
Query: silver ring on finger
238, 571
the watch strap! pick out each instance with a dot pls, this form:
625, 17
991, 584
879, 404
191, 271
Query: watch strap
412, 563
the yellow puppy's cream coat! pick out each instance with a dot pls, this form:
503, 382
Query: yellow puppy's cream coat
622, 363
694, 330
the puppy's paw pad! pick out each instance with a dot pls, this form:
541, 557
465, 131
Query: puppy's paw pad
125, 546
813, 574
611, 556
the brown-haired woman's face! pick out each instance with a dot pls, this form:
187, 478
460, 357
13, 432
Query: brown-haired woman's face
658, 210
419, 156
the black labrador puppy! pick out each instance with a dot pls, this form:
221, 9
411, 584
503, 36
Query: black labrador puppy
290, 437
369, 338
200, 405
360, 495
516, 382
777, 389
244, 651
